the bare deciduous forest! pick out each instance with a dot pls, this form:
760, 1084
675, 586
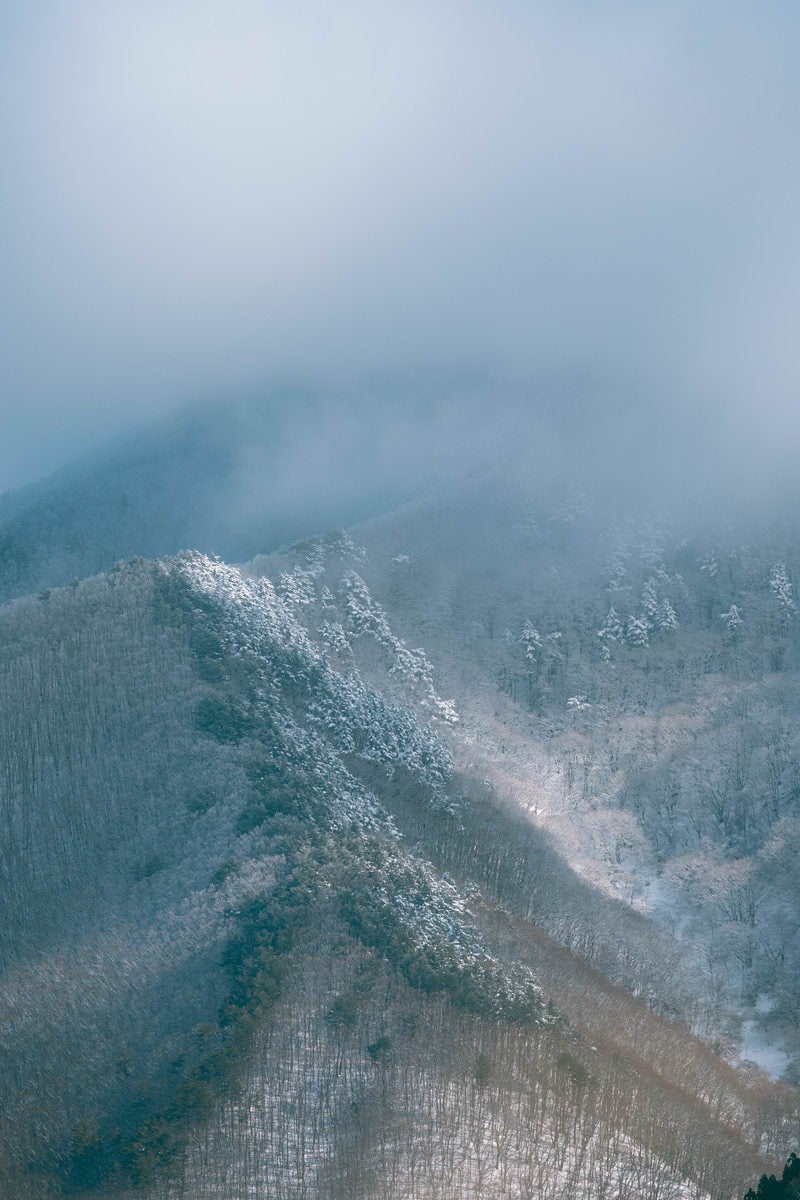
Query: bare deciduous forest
286, 917
399, 600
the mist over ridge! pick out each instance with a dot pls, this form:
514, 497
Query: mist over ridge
203, 196
399, 600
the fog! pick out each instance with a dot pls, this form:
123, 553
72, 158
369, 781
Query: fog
558, 198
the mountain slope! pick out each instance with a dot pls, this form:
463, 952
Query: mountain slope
631, 685
215, 924
161, 805
209, 899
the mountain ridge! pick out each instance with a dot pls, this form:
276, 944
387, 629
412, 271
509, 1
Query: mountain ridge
501, 834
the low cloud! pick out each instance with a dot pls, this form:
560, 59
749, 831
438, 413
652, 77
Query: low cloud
203, 195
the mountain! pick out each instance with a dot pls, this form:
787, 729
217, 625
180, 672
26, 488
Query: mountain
296, 907
239, 477
631, 684
258, 932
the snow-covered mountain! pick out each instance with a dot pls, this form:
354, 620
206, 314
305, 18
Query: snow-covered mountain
452, 855
631, 684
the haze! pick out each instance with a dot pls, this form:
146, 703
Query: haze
201, 196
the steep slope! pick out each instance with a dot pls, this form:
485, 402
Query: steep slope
631, 686
174, 785
226, 970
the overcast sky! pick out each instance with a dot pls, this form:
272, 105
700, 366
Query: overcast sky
199, 195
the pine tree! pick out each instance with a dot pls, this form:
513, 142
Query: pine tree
637, 632
531, 639
612, 630
781, 588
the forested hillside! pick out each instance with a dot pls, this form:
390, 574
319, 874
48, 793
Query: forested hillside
630, 683
399, 601
268, 930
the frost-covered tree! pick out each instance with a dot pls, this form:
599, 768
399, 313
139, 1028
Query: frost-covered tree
612, 629
656, 607
333, 636
732, 618
637, 632
651, 602
531, 639
297, 588
666, 619
781, 588
617, 571
708, 564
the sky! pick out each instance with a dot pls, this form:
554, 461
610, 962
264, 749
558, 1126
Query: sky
198, 196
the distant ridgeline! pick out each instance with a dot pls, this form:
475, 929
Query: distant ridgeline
235, 479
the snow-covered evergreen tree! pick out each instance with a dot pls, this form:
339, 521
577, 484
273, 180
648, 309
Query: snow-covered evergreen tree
651, 602
531, 639
666, 619
637, 632
612, 629
781, 588
708, 564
